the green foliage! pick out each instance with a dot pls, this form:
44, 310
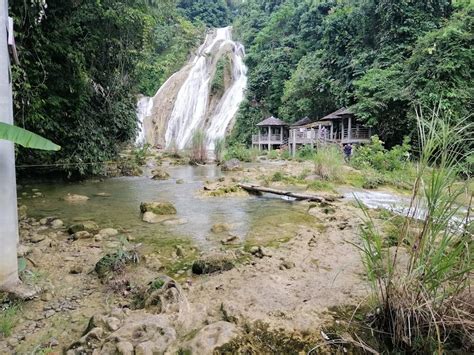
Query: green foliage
273, 155
328, 162
375, 156
219, 146
240, 152
198, 147
8, 318
306, 152
214, 13
308, 58
82, 65
25, 138
419, 282
218, 81
140, 154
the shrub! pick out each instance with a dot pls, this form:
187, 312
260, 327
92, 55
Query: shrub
219, 145
421, 301
198, 147
285, 154
272, 154
306, 152
375, 156
8, 318
242, 153
278, 176
328, 162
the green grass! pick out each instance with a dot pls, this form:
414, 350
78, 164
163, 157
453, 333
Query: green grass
421, 305
8, 319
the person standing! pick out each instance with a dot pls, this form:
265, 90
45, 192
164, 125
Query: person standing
347, 152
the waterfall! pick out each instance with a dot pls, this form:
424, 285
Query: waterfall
144, 107
230, 102
189, 106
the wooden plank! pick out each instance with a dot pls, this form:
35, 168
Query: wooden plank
296, 195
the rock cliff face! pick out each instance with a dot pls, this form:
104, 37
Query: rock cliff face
205, 94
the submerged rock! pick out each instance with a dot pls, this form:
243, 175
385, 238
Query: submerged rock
158, 208
213, 263
88, 226
160, 174
220, 228
153, 218
231, 165
75, 198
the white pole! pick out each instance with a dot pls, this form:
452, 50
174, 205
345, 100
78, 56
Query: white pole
8, 201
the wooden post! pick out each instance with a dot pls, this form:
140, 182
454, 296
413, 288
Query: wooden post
332, 131
349, 128
259, 139
342, 130
269, 138
294, 142
281, 136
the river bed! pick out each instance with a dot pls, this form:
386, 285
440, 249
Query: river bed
121, 208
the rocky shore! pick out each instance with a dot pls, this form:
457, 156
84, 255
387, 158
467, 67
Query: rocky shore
99, 292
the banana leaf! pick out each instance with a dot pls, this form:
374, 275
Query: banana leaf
25, 138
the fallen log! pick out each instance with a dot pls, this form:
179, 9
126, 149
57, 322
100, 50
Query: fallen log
295, 195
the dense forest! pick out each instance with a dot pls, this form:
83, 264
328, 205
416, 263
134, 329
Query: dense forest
83, 63
308, 58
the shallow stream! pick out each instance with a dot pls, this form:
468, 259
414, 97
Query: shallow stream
121, 209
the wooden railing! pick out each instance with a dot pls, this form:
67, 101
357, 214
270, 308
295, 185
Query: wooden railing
359, 133
274, 138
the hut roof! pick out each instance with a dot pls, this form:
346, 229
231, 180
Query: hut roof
302, 122
338, 114
272, 121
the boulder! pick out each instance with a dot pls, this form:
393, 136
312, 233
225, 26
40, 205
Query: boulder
57, 223
213, 263
160, 174
81, 235
231, 165
88, 226
108, 232
152, 218
159, 208
75, 198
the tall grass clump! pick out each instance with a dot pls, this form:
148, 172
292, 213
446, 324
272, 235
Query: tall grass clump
423, 301
219, 146
328, 162
241, 152
198, 147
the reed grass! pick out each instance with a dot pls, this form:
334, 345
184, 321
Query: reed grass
422, 284
328, 162
219, 146
198, 147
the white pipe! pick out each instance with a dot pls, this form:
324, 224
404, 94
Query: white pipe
8, 200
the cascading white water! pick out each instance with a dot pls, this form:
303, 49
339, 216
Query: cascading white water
230, 102
191, 107
144, 107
